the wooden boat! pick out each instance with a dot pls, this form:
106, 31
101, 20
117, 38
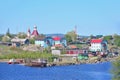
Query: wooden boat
36, 64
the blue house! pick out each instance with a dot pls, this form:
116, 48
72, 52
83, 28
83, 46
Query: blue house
51, 41
44, 42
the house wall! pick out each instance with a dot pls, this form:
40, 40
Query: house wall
56, 52
57, 42
64, 42
49, 41
16, 44
26, 42
41, 43
96, 47
79, 51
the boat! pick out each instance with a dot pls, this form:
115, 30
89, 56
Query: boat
13, 61
38, 63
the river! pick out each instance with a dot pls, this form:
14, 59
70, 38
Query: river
98, 71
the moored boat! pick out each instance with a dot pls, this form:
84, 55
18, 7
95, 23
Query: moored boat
13, 61
39, 63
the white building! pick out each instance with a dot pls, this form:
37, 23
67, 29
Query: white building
98, 45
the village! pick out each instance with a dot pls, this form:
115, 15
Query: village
93, 49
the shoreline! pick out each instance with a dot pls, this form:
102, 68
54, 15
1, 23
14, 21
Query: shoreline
50, 64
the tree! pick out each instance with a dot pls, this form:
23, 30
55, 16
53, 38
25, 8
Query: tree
116, 69
71, 36
108, 38
68, 38
1, 37
21, 35
6, 39
32, 41
91, 36
8, 33
117, 40
42, 36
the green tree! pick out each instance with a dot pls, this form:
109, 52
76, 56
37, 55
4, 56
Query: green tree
117, 40
32, 41
1, 37
71, 36
91, 36
41, 36
116, 69
6, 39
108, 38
68, 38
21, 35
8, 33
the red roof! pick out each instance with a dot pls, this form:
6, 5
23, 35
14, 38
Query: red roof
56, 38
35, 33
72, 46
96, 40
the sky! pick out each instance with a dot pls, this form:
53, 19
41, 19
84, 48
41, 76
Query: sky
60, 16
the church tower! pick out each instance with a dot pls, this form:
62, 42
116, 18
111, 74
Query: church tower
35, 32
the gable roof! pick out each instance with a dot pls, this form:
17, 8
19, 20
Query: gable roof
96, 40
35, 33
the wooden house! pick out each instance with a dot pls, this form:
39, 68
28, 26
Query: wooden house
18, 42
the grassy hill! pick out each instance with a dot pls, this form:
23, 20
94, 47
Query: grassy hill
7, 52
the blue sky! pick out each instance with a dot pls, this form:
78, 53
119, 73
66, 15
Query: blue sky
60, 16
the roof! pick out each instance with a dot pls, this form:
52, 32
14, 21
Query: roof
72, 46
35, 33
18, 40
96, 40
56, 38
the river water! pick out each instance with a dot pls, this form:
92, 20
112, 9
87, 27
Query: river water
99, 71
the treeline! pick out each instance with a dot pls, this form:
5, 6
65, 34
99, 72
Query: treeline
113, 39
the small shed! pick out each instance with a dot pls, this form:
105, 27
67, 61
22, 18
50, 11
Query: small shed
56, 52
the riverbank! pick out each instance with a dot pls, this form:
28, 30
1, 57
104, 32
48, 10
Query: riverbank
4, 60
61, 63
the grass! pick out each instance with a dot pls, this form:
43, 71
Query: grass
17, 53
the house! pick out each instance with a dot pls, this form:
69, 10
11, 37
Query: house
59, 41
51, 41
44, 42
41, 42
6, 43
98, 45
18, 42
